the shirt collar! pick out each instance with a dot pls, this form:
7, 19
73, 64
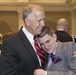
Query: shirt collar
60, 30
28, 34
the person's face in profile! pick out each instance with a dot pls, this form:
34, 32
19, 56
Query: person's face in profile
37, 22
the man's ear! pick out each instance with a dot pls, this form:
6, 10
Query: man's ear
27, 21
54, 36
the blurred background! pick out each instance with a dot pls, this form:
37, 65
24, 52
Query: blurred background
11, 13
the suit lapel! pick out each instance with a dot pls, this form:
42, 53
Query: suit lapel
58, 51
27, 44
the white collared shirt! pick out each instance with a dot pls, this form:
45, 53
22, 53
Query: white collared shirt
60, 30
30, 38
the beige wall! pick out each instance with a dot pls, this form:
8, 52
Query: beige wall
48, 1
8, 21
52, 18
51, 1
11, 13
7, 0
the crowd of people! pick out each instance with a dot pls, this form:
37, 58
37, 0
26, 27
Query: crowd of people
20, 53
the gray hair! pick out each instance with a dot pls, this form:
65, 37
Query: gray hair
28, 11
45, 30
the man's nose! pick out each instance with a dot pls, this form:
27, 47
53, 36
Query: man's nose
42, 23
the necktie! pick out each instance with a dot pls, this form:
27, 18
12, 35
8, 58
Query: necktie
39, 51
54, 58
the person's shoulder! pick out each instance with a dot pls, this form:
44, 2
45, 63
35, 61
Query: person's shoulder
11, 38
68, 43
59, 32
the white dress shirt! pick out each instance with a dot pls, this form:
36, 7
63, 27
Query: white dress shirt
30, 38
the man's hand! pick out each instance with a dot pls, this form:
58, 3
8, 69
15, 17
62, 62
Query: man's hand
75, 54
39, 72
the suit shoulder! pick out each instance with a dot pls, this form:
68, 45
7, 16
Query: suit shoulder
14, 38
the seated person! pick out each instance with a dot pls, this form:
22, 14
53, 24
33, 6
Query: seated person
60, 55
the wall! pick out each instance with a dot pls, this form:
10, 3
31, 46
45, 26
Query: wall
8, 21
52, 18
11, 13
39, 1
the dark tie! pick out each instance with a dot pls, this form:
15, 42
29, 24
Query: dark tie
54, 58
39, 51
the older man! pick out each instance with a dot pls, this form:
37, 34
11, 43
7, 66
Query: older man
19, 55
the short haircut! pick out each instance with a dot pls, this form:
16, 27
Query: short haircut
30, 9
62, 22
45, 30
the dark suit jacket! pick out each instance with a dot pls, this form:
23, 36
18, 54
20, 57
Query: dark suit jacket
67, 65
63, 36
18, 56
0, 46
